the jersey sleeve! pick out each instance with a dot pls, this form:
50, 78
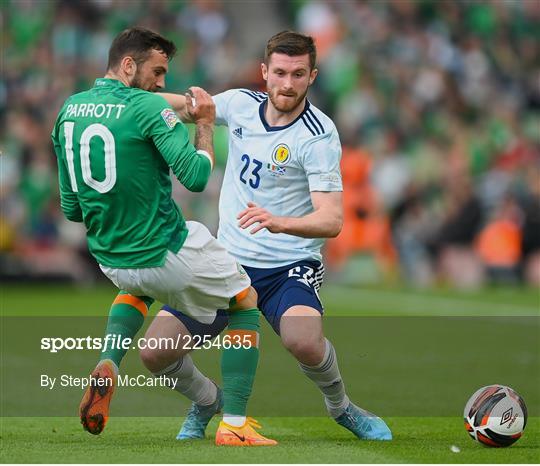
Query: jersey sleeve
223, 106
69, 202
322, 155
159, 123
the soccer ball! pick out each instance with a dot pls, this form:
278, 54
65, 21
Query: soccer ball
495, 416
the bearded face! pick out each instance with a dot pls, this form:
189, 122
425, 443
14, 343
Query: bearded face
287, 80
285, 101
150, 75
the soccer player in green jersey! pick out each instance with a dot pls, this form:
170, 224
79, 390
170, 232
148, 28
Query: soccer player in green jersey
115, 145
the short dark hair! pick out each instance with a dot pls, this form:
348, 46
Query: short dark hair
292, 44
138, 42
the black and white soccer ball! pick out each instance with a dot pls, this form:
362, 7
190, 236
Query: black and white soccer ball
495, 416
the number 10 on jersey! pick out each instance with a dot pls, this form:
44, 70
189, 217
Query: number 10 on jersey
95, 130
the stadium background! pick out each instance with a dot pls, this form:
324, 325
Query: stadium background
436, 102
438, 107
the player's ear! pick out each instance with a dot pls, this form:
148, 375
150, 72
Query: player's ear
128, 66
264, 71
313, 75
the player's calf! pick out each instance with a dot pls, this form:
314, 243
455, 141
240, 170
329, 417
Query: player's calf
176, 364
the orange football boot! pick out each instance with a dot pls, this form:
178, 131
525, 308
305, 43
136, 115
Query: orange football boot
245, 436
94, 407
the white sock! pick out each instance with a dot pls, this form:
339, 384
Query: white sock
190, 381
327, 377
232, 420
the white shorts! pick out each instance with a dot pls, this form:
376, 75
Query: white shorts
200, 279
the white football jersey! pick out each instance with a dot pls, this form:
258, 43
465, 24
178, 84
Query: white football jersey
276, 167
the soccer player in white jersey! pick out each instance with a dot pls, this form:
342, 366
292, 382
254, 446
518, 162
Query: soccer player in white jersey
281, 197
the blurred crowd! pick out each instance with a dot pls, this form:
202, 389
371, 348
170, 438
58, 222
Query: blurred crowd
437, 103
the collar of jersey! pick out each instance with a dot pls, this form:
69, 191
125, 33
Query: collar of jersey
108, 82
279, 128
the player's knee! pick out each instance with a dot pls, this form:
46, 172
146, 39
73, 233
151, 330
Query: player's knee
246, 301
149, 358
309, 351
156, 360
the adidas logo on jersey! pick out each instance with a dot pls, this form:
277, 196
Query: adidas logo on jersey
238, 133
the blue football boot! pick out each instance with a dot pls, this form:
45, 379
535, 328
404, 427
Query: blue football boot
198, 418
364, 424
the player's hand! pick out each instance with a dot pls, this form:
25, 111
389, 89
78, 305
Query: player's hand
200, 106
255, 214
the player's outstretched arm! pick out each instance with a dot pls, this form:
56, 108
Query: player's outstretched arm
325, 221
178, 104
190, 163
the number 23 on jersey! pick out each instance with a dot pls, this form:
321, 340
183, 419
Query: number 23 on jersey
252, 167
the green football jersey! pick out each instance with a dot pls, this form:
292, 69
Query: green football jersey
115, 146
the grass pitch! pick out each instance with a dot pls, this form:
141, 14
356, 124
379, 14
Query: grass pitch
301, 440
307, 437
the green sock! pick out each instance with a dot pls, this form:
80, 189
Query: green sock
126, 317
239, 365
